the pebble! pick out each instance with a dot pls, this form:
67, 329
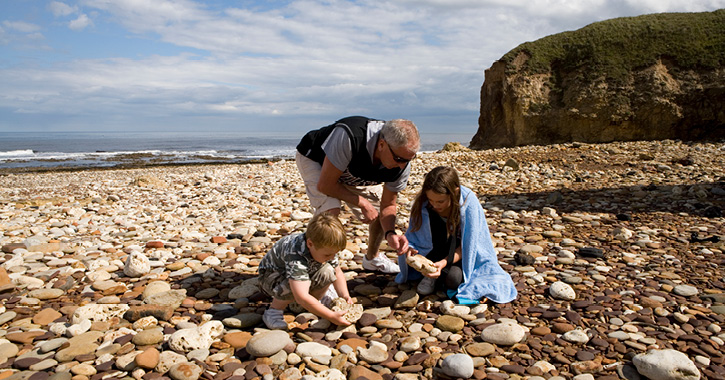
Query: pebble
105, 267
458, 365
267, 343
506, 333
666, 365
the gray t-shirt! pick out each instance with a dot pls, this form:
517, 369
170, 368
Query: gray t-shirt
338, 150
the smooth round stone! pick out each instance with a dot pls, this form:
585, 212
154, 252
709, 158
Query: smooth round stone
666, 365
373, 355
480, 349
43, 365
562, 291
504, 334
155, 287
312, 349
685, 290
148, 337
51, 345
450, 323
388, 324
267, 343
83, 369
7, 317
576, 336
458, 365
620, 335
46, 293
185, 371
410, 343
8, 350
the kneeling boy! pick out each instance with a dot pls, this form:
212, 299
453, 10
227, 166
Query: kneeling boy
301, 267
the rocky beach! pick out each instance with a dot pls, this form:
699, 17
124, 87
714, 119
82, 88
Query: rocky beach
616, 250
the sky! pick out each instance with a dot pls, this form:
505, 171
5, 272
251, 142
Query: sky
222, 65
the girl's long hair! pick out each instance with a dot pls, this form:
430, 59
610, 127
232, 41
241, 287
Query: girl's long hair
441, 180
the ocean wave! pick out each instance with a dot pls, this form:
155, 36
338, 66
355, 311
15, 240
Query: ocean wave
17, 153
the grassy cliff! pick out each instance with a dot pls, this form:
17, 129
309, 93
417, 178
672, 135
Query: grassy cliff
613, 48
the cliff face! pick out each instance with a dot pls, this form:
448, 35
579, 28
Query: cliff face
644, 78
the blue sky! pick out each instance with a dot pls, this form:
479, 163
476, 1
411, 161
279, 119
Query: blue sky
178, 65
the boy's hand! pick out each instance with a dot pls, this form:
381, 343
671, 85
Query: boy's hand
339, 319
349, 300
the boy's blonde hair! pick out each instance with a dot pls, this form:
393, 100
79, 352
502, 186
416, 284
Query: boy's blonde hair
326, 231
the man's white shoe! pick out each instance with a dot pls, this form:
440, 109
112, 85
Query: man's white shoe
380, 263
426, 286
274, 319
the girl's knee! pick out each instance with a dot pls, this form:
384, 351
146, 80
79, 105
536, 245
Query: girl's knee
454, 278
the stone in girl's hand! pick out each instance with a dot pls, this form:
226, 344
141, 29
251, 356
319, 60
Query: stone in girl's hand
421, 264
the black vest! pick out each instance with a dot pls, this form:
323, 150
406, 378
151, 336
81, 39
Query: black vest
361, 165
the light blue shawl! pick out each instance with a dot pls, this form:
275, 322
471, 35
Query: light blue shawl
482, 275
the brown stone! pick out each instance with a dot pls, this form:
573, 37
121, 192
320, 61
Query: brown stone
148, 359
137, 312
540, 331
561, 328
25, 337
218, 239
358, 372
237, 339
46, 316
480, 349
155, 244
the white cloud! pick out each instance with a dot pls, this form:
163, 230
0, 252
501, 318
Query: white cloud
61, 9
305, 58
79, 23
22, 26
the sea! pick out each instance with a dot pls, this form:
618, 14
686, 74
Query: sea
28, 151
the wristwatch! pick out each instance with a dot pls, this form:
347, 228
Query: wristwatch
389, 232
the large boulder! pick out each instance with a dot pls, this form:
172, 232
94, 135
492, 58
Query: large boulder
650, 77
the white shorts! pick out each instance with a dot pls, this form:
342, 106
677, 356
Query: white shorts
310, 172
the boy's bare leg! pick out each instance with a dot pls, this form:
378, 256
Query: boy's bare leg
279, 304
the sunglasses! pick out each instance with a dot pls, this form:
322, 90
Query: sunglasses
397, 158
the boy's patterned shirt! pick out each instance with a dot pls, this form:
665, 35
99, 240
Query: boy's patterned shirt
291, 256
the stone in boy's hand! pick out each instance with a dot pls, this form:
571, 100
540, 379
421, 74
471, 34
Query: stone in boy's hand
421, 264
354, 311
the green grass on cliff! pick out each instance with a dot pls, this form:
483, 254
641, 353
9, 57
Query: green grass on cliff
615, 47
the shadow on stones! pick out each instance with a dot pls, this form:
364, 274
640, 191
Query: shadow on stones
697, 200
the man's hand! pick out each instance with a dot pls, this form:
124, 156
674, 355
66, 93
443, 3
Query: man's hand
369, 212
398, 243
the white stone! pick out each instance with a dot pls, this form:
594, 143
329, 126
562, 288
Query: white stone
267, 343
449, 308
155, 287
312, 349
685, 290
99, 312
562, 291
576, 336
137, 265
202, 337
458, 365
168, 359
666, 365
505, 333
